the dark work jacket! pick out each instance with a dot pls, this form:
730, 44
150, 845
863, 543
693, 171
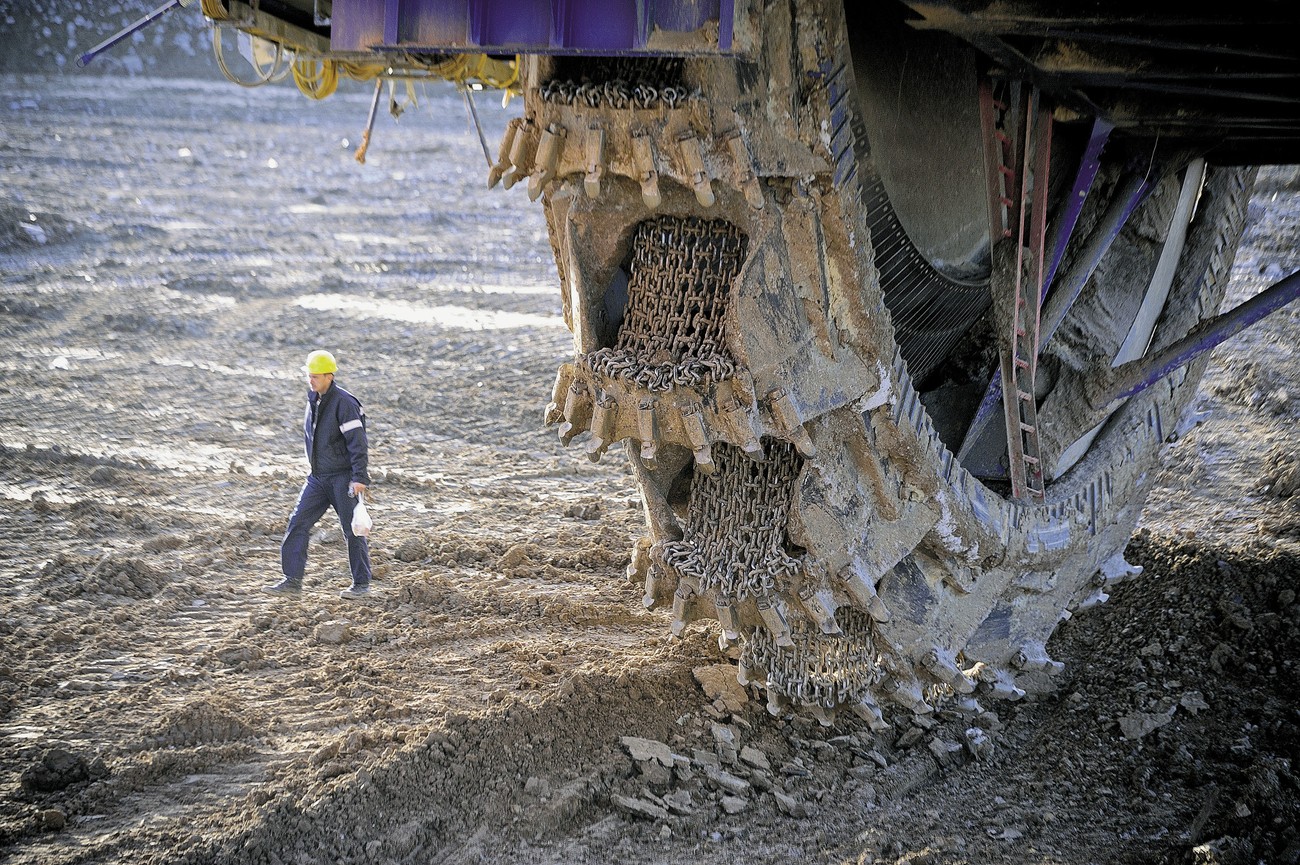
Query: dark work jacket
335, 432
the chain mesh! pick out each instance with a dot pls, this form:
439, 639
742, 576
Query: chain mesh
734, 548
673, 330
618, 95
618, 83
734, 539
818, 670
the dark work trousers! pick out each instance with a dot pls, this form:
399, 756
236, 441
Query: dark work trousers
318, 495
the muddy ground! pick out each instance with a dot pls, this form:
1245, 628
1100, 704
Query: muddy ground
169, 252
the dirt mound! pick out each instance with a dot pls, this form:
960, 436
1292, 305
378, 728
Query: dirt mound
64, 577
1261, 388
1281, 478
199, 722
59, 769
1210, 702
500, 769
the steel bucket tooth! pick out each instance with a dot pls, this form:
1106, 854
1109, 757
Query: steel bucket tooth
1033, 657
689, 147
907, 694
548, 156
503, 166
775, 620
944, 670
863, 593
820, 606
577, 412
643, 155
868, 711
647, 429
521, 154
604, 420
728, 619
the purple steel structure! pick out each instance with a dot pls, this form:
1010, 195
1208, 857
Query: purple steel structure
605, 27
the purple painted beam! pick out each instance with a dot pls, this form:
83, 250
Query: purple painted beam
1132, 191
1138, 375
1063, 228
357, 25
599, 25
596, 27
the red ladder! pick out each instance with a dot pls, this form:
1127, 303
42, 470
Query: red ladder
1017, 149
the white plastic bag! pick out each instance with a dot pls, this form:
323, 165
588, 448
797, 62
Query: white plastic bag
361, 522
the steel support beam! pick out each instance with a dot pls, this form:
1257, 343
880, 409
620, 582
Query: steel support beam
1136, 376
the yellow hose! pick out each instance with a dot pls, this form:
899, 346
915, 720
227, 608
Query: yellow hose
316, 78
214, 10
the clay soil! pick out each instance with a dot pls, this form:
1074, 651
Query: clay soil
170, 251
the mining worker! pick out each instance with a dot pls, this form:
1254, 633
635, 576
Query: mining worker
335, 433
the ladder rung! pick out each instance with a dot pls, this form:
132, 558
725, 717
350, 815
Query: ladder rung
1024, 396
1023, 364
1024, 427
1033, 461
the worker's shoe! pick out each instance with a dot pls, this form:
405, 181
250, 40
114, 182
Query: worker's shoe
287, 586
356, 592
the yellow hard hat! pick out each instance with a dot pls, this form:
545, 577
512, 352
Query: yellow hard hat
321, 361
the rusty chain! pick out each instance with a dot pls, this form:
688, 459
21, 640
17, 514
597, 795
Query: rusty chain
818, 670
617, 94
674, 324
734, 541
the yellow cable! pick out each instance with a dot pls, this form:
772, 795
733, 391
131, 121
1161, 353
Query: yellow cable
276, 73
214, 10
360, 71
316, 78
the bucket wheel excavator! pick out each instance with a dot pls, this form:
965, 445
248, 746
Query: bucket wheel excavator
893, 305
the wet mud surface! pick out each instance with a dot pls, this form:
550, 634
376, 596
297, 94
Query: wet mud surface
169, 252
